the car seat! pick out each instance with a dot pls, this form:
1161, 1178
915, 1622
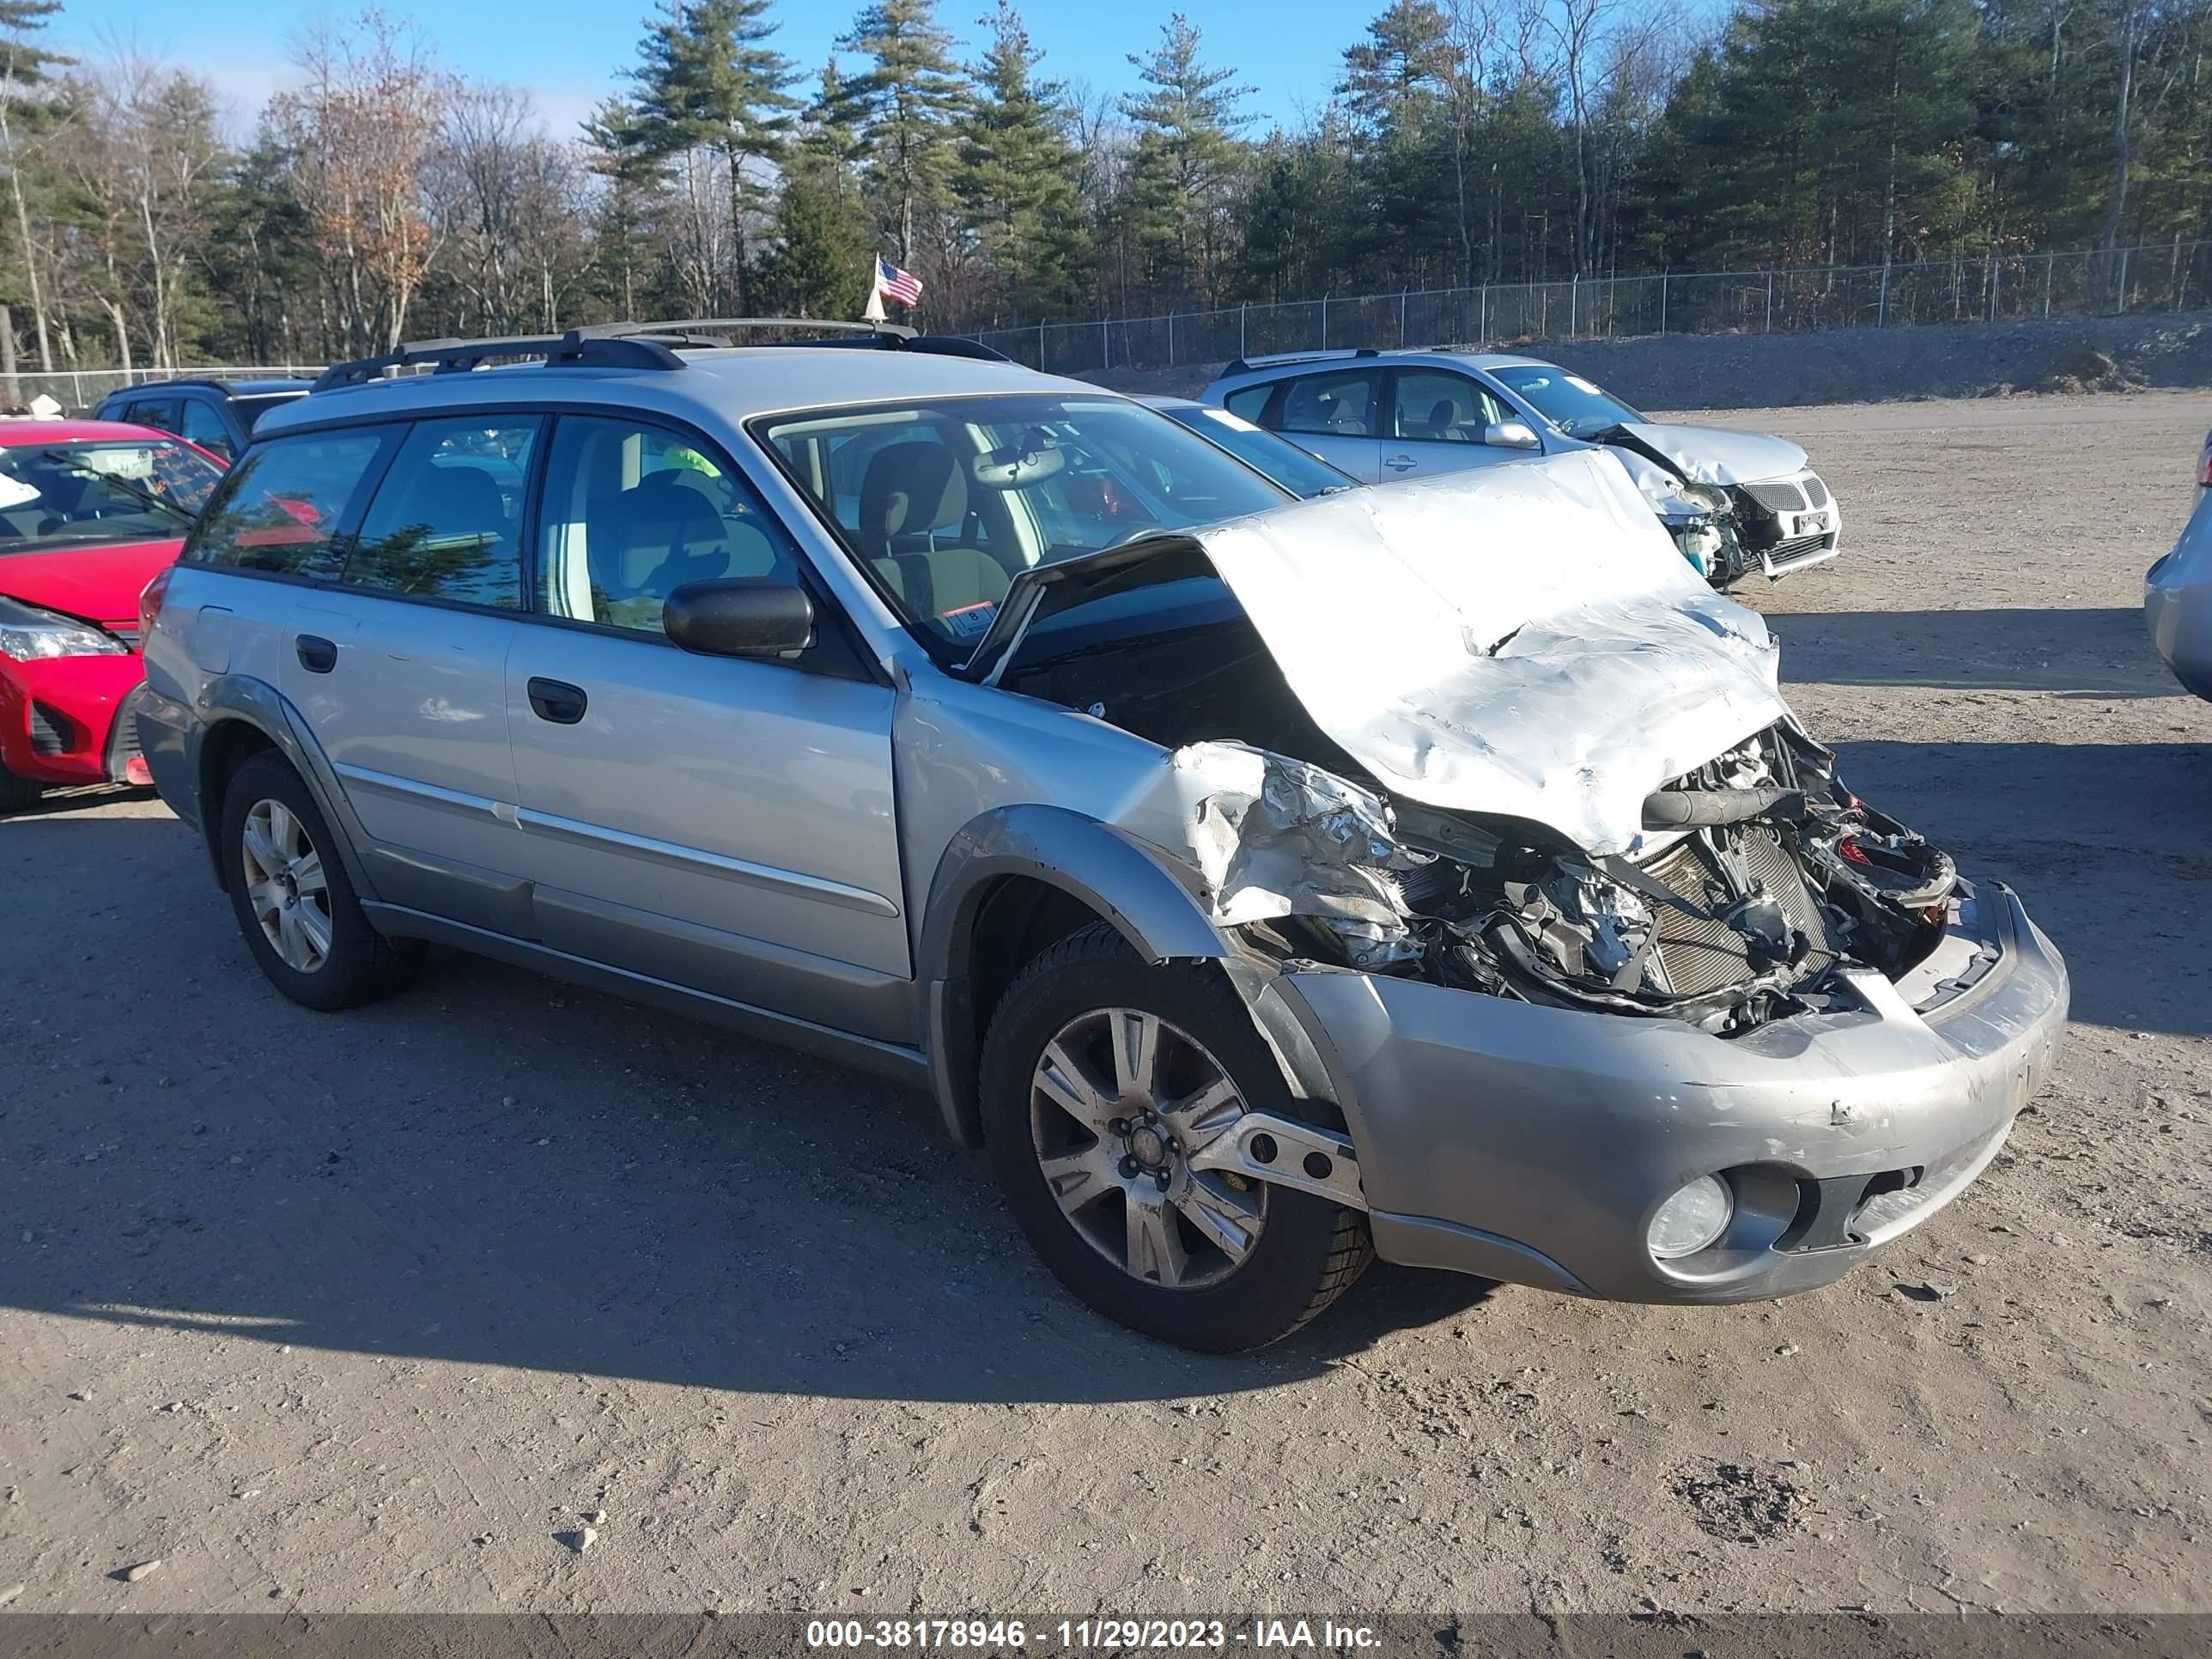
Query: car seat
913, 491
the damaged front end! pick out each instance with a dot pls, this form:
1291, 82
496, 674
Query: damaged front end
1725, 526
1762, 881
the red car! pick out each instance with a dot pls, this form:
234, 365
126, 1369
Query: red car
90, 511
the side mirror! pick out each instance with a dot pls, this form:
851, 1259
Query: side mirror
1510, 434
740, 617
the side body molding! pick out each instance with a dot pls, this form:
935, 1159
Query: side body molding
1114, 875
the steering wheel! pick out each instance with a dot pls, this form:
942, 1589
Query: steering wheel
1137, 534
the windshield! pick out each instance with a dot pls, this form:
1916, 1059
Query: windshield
1577, 407
63, 494
946, 501
1304, 476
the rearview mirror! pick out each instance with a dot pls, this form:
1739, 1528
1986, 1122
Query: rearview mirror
1510, 435
740, 617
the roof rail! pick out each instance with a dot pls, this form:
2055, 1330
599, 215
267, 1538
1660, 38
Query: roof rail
642, 345
891, 336
1269, 360
577, 346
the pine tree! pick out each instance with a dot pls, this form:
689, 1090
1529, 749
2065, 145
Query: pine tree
707, 79
23, 66
904, 106
1020, 178
821, 265
1188, 125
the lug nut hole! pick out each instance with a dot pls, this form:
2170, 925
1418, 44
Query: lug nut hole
1318, 1165
1262, 1148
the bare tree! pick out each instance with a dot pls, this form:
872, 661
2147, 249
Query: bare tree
360, 130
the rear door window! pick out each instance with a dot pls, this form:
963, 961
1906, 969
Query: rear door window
282, 508
447, 520
1340, 406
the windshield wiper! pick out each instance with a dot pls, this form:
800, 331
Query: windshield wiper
182, 515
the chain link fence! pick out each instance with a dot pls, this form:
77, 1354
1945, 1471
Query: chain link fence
1993, 287
77, 389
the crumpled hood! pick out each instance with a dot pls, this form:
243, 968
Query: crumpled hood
1521, 640
1717, 455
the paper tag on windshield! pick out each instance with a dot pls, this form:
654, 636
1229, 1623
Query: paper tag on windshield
14, 492
1581, 385
967, 620
116, 463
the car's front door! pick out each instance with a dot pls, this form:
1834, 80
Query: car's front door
1333, 416
723, 824
1438, 421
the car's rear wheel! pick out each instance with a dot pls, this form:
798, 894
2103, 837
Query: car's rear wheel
294, 904
1101, 1075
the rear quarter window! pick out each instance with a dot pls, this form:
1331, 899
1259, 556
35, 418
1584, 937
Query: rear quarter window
282, 506
1250, 402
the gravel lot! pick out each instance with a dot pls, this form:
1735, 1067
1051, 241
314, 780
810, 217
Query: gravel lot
363, 1312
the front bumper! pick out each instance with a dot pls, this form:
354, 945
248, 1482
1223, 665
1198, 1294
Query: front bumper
71, 720
1534, 1145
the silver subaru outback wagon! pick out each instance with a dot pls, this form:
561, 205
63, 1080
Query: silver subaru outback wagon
1264, 885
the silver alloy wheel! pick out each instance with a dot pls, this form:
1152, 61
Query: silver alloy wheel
285, 886
1119, 1101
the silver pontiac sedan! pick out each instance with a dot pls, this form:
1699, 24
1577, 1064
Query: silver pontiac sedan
1263, 884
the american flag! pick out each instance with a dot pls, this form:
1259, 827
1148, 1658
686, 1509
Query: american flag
896, 284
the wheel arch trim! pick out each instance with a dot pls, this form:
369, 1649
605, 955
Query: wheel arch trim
1094, 864
243, 699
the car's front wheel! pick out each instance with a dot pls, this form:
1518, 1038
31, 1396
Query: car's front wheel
1102, 1076
18, 792
294, 903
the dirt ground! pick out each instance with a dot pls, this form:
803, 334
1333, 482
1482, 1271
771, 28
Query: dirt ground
363, 1312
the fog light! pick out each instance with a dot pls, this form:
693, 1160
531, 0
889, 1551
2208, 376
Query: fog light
1692, 1219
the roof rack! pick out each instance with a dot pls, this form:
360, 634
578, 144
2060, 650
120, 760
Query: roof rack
640, 345
1269, 360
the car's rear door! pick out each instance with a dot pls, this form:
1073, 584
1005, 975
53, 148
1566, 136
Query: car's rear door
1332, 415
1436, 422
724, 824
400, 667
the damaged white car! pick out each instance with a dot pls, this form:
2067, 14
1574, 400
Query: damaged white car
1264, 885
1738, 504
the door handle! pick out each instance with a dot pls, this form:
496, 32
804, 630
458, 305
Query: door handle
317, 654
558, 701
1400, 463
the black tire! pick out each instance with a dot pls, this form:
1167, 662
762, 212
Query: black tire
359, 965
1308, 1251
18, 792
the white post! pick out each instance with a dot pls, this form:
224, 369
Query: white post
1243, 313
1769, 300
1324, 322
1662, 302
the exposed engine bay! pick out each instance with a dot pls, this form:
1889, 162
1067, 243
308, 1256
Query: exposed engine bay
1393, 743
1764, 876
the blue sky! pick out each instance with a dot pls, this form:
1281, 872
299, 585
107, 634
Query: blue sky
568, 53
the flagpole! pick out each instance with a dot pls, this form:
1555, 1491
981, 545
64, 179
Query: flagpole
874, 314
